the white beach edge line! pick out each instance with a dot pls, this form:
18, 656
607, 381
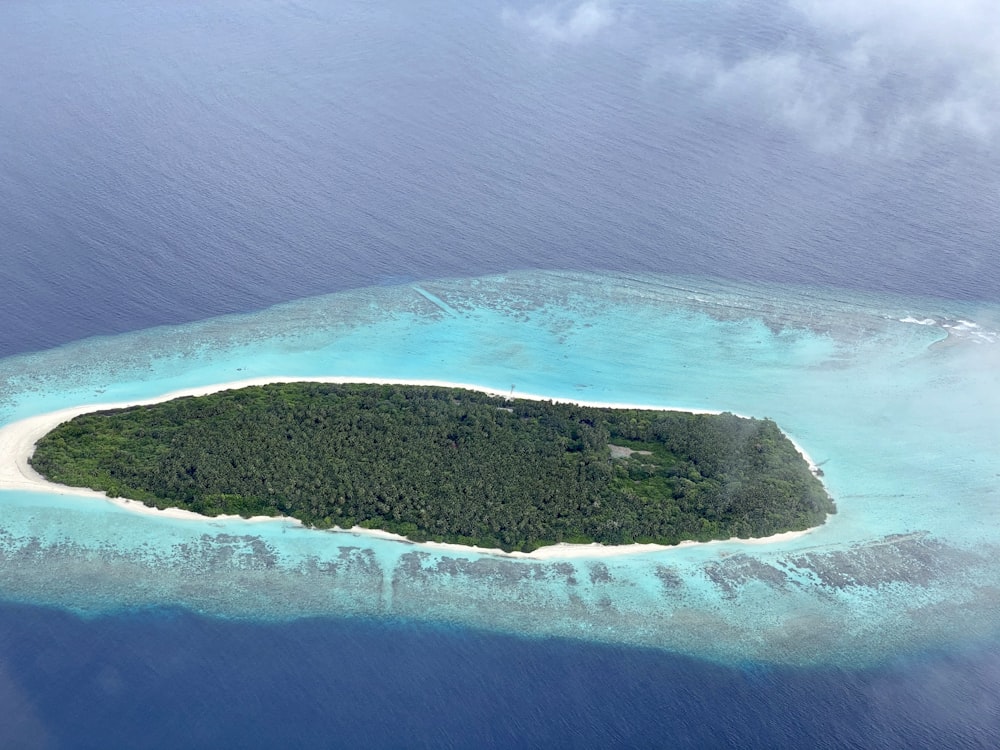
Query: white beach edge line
17, 443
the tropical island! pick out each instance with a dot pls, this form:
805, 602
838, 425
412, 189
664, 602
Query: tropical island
445, 464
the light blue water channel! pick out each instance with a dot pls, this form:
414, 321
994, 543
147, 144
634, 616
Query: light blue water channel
898, 399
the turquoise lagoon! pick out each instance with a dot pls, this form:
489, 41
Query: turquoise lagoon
898, 399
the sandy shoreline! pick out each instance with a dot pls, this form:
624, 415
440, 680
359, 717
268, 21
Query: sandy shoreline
17, 443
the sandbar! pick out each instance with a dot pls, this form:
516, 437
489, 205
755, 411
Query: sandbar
17, 443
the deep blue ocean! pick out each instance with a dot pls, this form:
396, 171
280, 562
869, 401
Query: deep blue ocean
172, 679
166, 162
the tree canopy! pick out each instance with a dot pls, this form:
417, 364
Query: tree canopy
446, 464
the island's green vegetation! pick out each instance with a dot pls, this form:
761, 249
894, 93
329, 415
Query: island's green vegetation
446, 464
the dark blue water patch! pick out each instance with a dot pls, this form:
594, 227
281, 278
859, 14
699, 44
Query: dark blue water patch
167, 679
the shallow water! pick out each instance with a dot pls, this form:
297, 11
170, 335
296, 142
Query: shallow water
899, 414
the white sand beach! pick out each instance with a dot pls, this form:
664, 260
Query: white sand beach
17, 443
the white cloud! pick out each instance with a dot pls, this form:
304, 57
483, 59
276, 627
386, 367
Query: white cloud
565, 23
880, 70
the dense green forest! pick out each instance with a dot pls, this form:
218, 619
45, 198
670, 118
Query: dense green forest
445, 464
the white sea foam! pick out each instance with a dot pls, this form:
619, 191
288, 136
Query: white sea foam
971, 331
959, 328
